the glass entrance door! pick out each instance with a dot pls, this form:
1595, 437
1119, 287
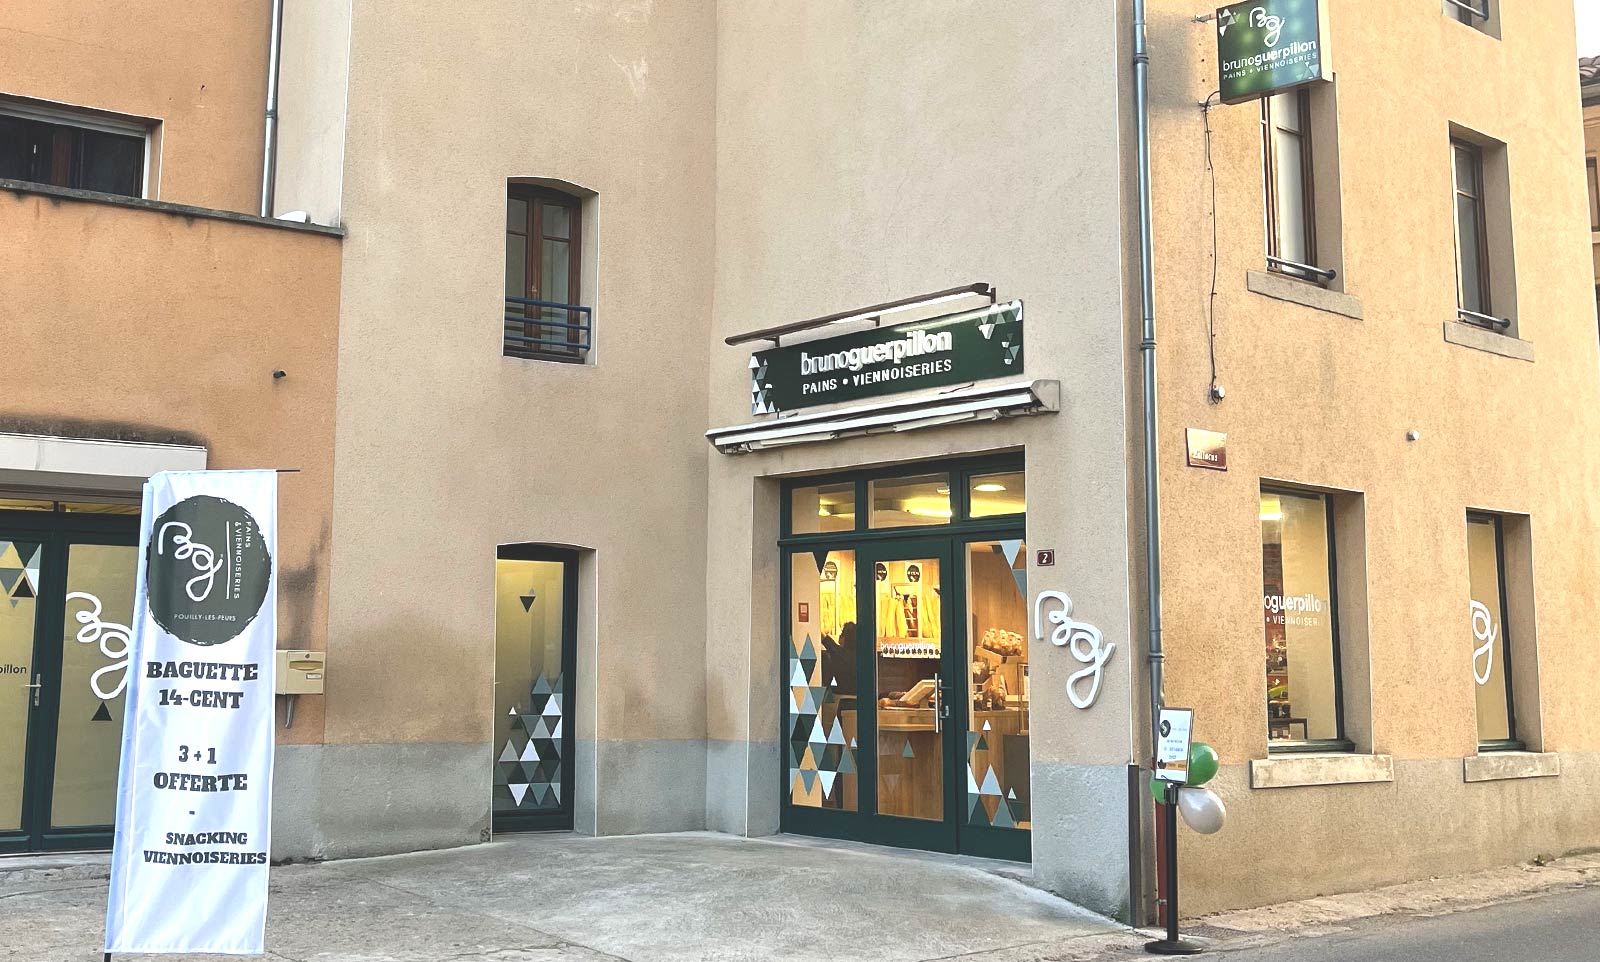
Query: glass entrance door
535, 644
66, 600
915, 667
905, 658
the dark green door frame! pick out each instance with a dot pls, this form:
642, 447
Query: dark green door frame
947, 542
561, 817
57, 532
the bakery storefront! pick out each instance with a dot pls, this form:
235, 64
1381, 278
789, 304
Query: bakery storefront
902, 679
905, 657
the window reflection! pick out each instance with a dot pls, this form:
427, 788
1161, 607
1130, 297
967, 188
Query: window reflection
821, 673
993, 495
825, 507
998, 790
1297, 610
910, 501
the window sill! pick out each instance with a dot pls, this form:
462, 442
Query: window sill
1339, 768
1483, 339
1497, 766
1279, 287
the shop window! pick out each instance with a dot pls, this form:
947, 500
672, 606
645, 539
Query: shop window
821, 675
545, 319
1300, 613
998, 786
995, 495
63, 150
823, 507
910, 501
1485, 282
1491, 641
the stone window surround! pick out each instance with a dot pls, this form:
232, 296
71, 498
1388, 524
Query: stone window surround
1305, 293
1350, 768
1320, 768
1483, 339
1499, 766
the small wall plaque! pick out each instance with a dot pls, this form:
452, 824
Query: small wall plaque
1208, 449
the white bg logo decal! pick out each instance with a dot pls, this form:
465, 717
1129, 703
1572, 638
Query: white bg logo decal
1272, 23
1084, 640
113, 640
1483, 630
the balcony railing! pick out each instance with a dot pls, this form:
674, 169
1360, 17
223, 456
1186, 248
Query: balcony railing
546, 330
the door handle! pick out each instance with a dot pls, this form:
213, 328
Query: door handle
36, 686
939, 707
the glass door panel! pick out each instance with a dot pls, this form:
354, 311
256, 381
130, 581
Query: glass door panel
911, 713
535, 638
821, 670
19, 609
997, 759
94, 673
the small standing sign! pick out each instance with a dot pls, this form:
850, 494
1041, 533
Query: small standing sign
1172, 752
1172, 768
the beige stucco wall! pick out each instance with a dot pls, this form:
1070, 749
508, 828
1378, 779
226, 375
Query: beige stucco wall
313, 77
165, 327
871, 152
200, 68
1317, 398
446, 448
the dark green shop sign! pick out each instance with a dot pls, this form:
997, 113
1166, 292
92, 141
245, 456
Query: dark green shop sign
1265, 46
974, 346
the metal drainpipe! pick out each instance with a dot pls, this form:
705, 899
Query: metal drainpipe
269, 150
1147, 348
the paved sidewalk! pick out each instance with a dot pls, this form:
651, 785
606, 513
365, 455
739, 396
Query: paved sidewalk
661, 898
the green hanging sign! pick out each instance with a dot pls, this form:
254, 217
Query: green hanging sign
955, 349
1264, 46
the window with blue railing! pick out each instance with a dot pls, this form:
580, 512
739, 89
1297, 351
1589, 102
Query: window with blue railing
545, 317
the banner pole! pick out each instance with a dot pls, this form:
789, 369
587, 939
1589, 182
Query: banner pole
1172, 944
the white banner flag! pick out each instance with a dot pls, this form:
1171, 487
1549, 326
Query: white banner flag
189, 865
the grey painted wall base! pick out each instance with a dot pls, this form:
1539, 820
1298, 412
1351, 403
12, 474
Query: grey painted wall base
1080, 834
742, 787
348, 801
647, 786
1327, 839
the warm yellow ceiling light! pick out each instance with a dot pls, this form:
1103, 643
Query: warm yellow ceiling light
990, 487
1271, 509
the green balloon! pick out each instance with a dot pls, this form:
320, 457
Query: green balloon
1202, 763
1158, 791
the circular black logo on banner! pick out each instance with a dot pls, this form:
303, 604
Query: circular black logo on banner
913, 573
208, 569
880, 571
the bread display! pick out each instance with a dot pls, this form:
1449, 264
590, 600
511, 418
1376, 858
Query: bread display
1003, 642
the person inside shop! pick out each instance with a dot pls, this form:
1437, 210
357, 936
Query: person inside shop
839, 662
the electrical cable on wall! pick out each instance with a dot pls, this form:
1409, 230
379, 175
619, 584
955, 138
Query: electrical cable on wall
1214, 393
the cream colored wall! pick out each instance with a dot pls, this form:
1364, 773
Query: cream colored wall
198, 67
446, 448
313, 78
871, 152
1321, 399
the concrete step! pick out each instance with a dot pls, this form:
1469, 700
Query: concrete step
54, 867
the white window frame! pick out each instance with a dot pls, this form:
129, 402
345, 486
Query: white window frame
88, 119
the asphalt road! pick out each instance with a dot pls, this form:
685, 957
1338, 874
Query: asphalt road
1561, 927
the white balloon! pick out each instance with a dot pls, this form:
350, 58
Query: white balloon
1202, 810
